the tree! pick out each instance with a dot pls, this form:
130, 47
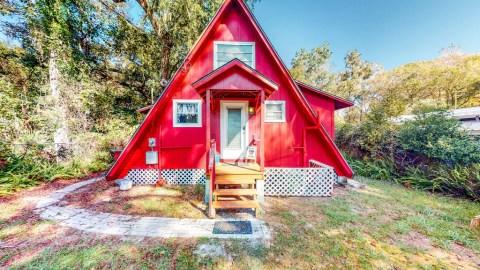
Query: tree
51, 26
19, 78
352, 84
62, 33
62, 41
177, 24
170, 30
313, 67
450, 81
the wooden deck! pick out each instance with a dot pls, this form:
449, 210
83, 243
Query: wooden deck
226, 170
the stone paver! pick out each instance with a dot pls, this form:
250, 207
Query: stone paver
115, 224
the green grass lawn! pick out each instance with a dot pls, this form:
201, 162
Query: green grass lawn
384, 226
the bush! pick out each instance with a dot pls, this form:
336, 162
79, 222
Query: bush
460, 180
430, 152
31, 167
378, 169
436, 135
373, 138
457, 180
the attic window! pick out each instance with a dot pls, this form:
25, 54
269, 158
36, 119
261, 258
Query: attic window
275, 111
225, 52
187, 113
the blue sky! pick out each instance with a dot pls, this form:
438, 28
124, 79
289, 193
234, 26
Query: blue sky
387, 32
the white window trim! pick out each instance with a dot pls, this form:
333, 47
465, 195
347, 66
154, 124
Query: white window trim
215, 48
192, 101
281, 102
224, 106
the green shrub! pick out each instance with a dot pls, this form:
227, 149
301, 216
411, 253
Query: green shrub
418, 178
377, 169
436, 135
374, 138
460, 180
29, 168
430, 152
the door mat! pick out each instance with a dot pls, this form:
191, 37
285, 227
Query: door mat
232, 227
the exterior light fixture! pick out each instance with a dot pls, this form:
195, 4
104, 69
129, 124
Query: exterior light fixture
251, 110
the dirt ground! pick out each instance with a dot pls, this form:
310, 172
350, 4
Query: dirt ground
167, 201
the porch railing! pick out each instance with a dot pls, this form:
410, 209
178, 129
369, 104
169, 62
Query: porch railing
317, 164
211, 169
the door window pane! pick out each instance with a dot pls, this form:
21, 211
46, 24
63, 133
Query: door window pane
234, 128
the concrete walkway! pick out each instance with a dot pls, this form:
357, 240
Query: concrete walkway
114, 224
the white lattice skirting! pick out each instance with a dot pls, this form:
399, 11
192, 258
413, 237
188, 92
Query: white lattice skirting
299, 181
173, 177
185, 177
278, 181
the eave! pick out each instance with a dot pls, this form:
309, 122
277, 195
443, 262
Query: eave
340, 103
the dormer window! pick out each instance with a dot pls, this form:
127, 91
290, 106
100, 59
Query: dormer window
225, 52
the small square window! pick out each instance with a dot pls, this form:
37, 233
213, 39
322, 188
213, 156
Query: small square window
275, 111
187, 113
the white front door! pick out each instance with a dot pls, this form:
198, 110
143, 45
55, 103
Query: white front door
233, 129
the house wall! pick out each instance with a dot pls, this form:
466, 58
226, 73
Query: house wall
325, 108
184, 148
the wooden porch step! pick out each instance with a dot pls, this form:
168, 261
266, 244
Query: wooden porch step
228, 181
235, 204
234, 192
237, 176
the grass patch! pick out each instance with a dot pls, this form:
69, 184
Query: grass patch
383, 226
127, 206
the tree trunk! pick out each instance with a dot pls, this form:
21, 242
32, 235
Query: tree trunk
54, 78
60, 137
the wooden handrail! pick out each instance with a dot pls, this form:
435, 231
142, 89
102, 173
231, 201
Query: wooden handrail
211, 168
317, 164
212, 152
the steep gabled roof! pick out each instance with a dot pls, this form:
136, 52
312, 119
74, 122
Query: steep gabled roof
167, 94
340, 103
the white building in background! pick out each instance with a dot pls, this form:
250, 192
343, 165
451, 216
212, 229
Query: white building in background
470, 118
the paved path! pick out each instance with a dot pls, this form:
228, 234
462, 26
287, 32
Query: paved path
114, 224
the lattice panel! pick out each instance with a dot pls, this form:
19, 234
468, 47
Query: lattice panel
299, 181
184, 177
173, 177
143, 177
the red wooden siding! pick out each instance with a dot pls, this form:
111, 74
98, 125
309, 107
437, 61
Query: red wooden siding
325, 109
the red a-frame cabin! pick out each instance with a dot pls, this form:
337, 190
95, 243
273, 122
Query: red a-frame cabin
234, 93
